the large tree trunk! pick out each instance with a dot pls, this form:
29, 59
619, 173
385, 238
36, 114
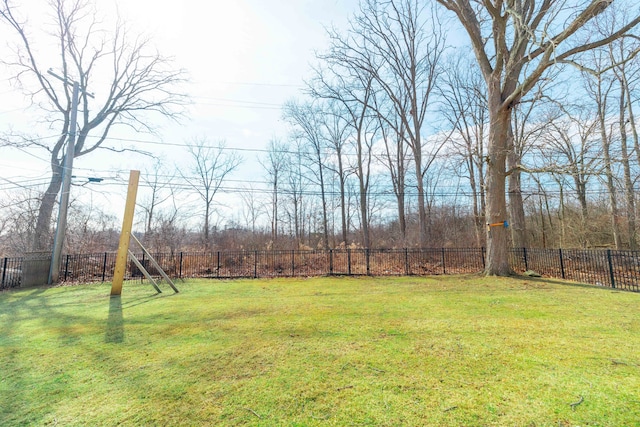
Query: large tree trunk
497, 261
42, 235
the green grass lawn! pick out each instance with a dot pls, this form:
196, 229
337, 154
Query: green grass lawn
437, 351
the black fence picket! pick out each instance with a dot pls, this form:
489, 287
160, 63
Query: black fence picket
11, 273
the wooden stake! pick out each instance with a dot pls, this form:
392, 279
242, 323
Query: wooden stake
125, 234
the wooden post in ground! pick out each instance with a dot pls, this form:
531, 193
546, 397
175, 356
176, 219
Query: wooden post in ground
125, 234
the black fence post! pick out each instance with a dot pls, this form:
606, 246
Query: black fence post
218, 266
561, 262
330, 261
180, 266
104, 266
611, 275
406, 261
367, 259
484, 264
255, 264
293, 262
444, 268
349, 260
526, 261
66, 268
4, 270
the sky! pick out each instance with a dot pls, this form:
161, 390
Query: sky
244, 59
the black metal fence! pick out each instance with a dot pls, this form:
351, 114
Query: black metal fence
11, 272
609, 268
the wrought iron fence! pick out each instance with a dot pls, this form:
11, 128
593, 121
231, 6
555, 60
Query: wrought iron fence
11, 272
608, 268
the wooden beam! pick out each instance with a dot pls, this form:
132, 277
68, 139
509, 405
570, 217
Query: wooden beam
125, 234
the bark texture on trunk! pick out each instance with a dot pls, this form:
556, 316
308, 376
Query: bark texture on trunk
42, 232
497, 262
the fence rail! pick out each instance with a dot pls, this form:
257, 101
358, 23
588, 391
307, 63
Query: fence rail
609, 268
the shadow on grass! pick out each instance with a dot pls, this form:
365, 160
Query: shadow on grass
575, 284
115, 321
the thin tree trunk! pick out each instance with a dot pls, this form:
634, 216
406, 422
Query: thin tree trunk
606, 151
325, 222
422, 213
563, 227
516, 204
400, 196
206, 226
343, 206
628, 183
274, 221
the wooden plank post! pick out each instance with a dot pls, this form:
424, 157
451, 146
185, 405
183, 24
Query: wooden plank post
125, 234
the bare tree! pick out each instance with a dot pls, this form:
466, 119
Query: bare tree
336, 127
141, 82
209, 167
294, 189
274, 165
19, 213
515, 42
464, 107
390, 41
91, 229
252, 208
600, 87
626, 72
350, 91
525, 130
394, 157
569, 147
306, 120
160, 185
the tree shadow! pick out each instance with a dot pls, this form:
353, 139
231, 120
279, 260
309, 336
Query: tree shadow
115, 321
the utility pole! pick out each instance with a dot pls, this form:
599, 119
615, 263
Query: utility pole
61, 227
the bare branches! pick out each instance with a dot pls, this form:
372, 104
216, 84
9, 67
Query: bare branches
209, 167
140, 81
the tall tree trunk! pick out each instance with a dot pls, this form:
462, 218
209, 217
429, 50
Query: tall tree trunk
402, 220
42, 235
400, 187
626, 166
581, 190
422, 213
205, 229
477, 216
562, 215
516, 204
497, 262
325, 221
363, 182
608, 170
274, 211
343, 206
